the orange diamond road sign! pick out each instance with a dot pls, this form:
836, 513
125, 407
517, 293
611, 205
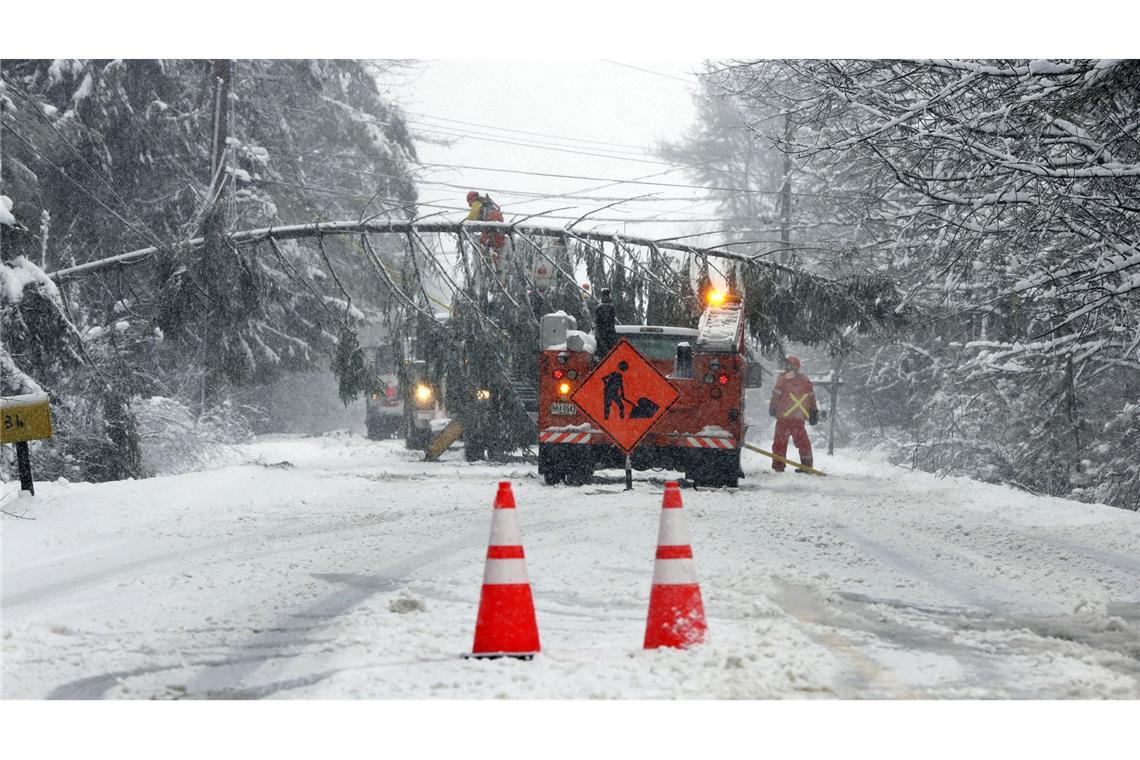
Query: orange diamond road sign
625, 396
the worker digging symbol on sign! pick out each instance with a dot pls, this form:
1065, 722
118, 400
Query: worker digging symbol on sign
613, 392
793, 402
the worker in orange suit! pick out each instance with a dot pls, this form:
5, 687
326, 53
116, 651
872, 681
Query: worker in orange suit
482, 209
793, 403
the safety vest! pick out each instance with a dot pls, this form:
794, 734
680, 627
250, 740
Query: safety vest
485, 210
793, 396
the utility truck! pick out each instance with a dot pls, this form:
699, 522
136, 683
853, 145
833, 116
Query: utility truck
701, 434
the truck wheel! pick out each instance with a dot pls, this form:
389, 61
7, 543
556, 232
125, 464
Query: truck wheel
417, 439
715, 469
733, 473
383, 427
579, 476
553, 477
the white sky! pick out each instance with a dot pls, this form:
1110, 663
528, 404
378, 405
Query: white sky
591, 118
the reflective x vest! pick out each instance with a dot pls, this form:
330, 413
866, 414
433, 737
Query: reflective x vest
793, 396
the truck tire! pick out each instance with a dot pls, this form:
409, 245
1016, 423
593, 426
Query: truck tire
416, 438
564, 464
715, 469
381, 427
579, 474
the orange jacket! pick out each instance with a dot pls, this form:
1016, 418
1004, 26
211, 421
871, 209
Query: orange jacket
793, 396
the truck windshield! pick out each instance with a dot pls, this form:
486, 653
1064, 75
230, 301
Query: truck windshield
383, 359
655, 345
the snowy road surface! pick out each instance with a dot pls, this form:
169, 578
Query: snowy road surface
343, 568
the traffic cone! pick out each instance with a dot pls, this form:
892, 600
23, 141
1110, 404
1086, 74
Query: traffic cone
506, 626
676, 614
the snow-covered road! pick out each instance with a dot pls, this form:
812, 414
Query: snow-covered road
341, 567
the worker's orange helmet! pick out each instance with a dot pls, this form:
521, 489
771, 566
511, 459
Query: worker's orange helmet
793, 362
471, 196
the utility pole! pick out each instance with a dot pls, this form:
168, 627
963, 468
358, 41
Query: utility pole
786, 195
214, 230
835, 372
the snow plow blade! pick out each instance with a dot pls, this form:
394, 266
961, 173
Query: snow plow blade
446, 437
779, 458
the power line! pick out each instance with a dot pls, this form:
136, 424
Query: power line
524, 131
35, 107
423, 127
650, 71
144, 234
635, 181
461, 209
446, 132
543, 147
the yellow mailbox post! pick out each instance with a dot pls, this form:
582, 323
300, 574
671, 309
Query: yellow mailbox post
22, 419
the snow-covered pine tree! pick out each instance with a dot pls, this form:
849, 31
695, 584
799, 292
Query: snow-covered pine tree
1001, 197
118, 154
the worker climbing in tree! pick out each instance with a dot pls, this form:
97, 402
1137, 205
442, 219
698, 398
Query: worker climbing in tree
793, 402
483, 209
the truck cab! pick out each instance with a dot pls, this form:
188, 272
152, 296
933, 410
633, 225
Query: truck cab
383, 405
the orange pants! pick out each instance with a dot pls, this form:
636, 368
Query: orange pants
794, 427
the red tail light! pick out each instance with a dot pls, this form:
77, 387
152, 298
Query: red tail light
723, 379
559, 374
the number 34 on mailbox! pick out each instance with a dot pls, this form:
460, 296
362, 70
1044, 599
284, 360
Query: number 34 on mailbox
25, 418
22, 419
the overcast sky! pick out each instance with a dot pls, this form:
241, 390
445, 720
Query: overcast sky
597, 120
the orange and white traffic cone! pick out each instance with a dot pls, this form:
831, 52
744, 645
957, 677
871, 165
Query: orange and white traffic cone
506, 626
676, 614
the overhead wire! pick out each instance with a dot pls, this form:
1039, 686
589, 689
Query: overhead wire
153, 236
555, 142
145, 234
524, 131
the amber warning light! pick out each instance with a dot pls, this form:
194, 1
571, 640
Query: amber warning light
715, 297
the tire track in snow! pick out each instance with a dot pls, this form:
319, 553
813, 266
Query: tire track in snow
910, 568
1113, 560
351, 590
997, 611
804, 605
74, 583
355, 588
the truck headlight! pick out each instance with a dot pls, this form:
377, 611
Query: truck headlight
483, 394
423, 393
